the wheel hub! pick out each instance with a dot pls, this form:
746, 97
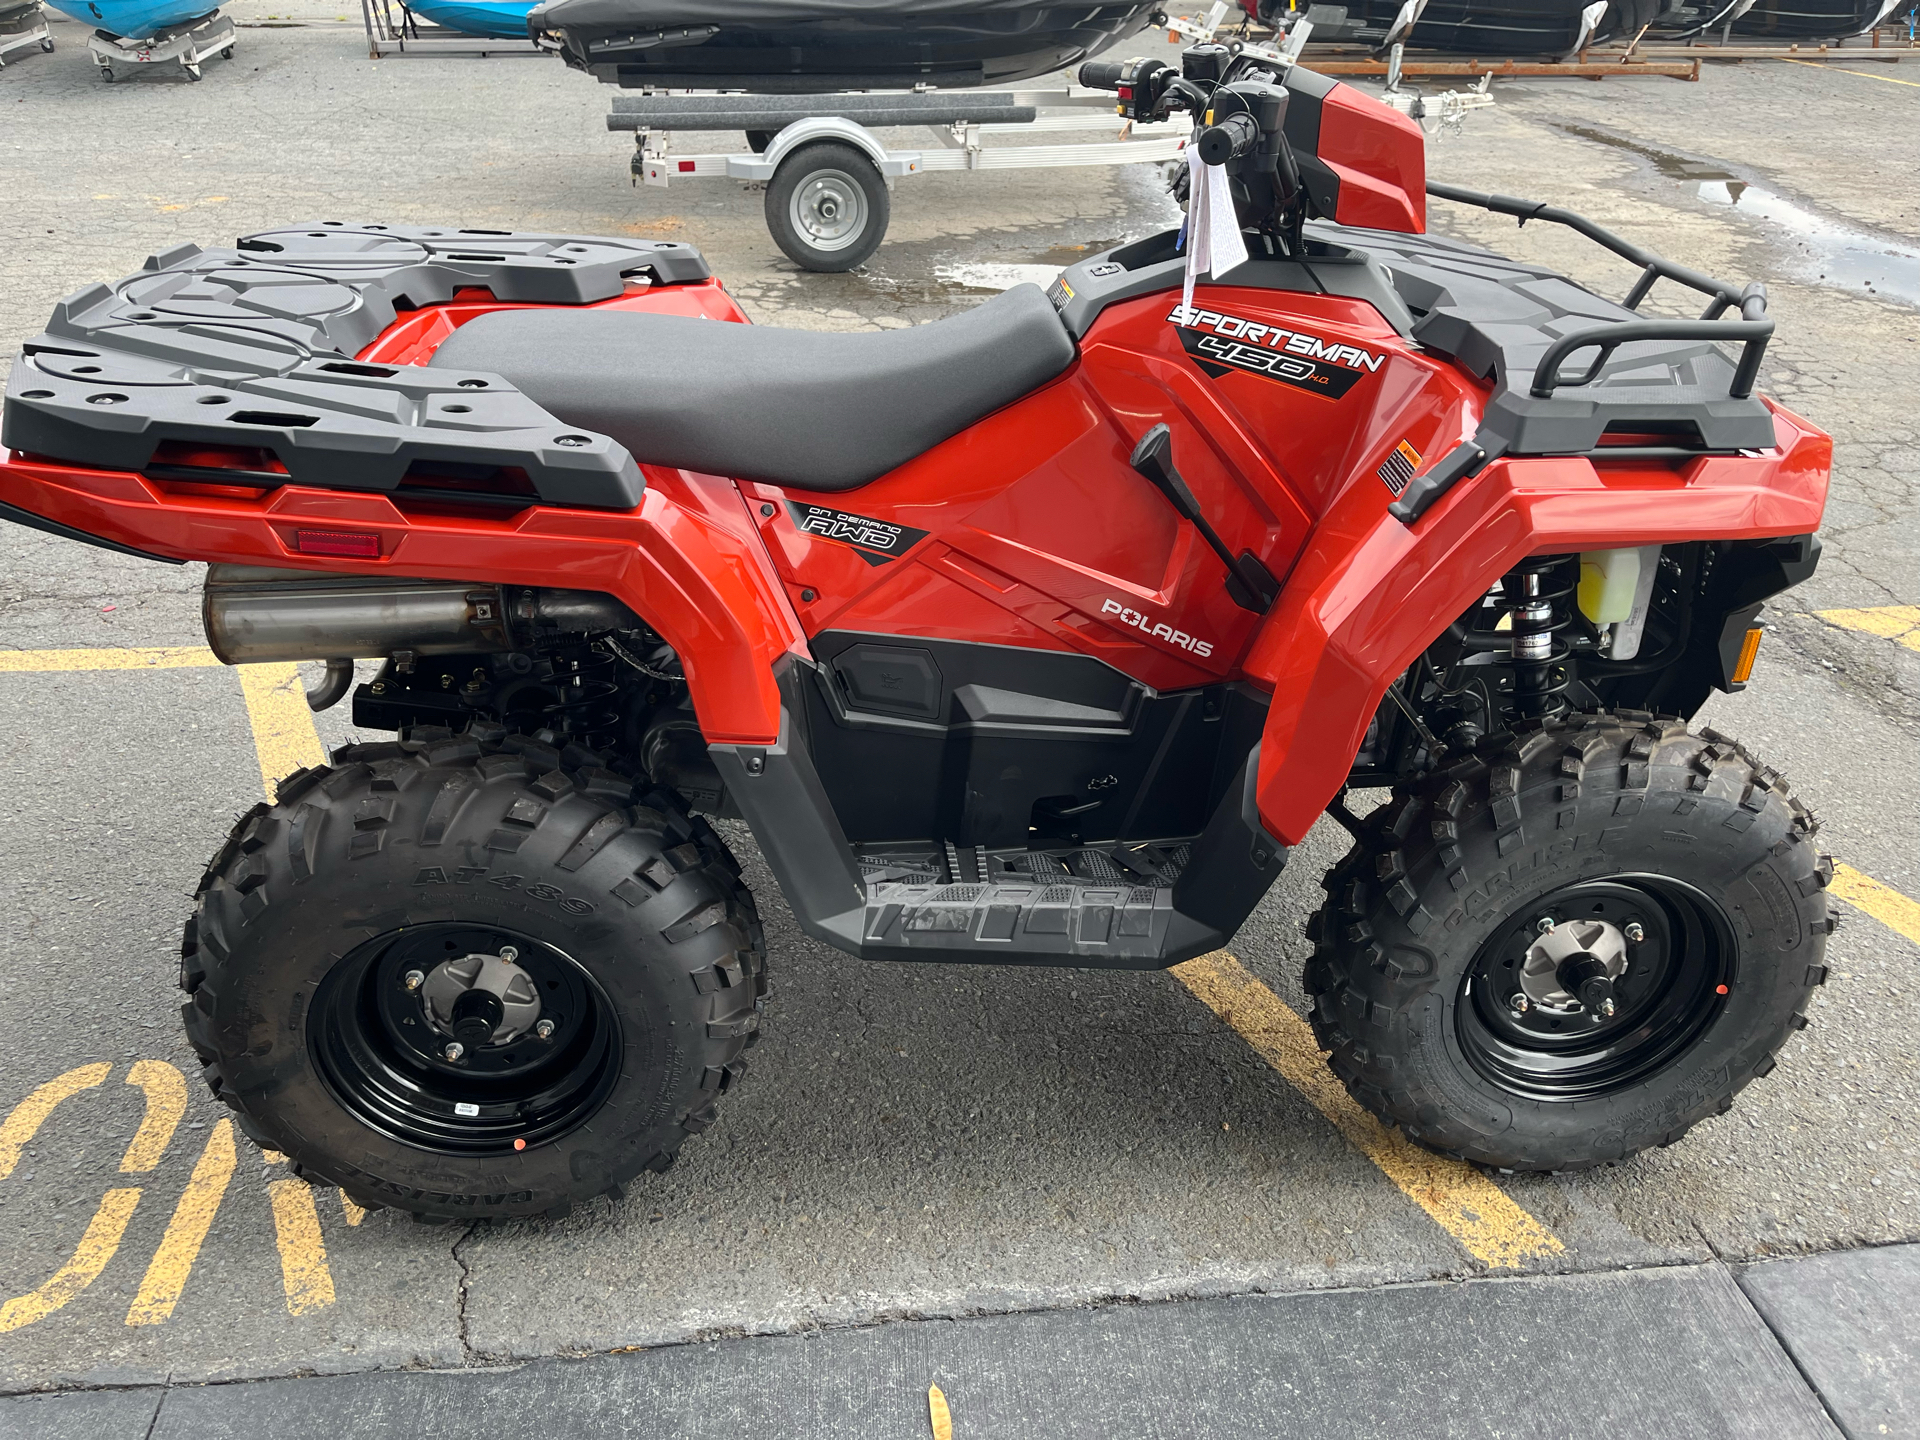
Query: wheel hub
1568, 958
481, 1000
830, 209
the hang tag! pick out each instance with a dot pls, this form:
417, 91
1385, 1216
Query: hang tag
1214, 245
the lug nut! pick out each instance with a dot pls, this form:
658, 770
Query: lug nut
454, 1050
509, 954
544, 1029
415, 979
1635, 932
1544, 925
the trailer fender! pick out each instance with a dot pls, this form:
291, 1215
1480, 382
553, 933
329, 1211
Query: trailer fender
834, 127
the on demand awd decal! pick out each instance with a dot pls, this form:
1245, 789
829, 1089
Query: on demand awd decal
877, 541
1219, 343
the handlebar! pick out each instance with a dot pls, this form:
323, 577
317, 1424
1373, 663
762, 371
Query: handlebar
1229, 140
1102, 74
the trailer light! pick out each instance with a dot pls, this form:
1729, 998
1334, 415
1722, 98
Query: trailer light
349, 544
1749, 649
686, 167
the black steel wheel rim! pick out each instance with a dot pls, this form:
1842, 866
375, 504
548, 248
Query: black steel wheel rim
377, 1050
1674, 988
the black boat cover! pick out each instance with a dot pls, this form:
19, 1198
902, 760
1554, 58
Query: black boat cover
661, 14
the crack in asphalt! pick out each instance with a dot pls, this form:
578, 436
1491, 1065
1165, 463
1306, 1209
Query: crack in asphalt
467, 1352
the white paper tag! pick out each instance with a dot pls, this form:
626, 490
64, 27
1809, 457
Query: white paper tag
1213, 229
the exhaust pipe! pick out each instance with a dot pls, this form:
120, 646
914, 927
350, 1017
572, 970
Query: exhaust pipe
254, 614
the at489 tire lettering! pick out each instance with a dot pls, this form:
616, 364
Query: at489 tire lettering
539, 890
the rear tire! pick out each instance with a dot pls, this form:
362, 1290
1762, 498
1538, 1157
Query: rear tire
626, 912
1612, 820
827, 207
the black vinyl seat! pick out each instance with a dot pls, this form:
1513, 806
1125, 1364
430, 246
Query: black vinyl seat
787, 407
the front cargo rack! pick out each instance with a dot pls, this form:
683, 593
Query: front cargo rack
1659, 378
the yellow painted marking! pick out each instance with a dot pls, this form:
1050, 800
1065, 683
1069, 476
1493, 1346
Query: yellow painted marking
173, 657
938, 1415
1882, 902
166, 1091
272, 1157
1466, 1204
187, 1231
1863, 74
90, 1257
303, 1254
355, 1212
1892, 622
283, 732
31, 1113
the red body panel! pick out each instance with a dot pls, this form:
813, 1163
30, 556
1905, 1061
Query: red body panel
1039, 534
1381, 158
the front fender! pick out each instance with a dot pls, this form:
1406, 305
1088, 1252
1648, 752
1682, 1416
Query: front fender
1369, 594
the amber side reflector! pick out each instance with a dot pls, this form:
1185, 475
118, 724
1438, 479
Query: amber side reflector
1749, 648
351, 544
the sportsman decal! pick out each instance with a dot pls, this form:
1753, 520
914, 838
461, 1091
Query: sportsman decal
1219, 343
1398, 467
875, 541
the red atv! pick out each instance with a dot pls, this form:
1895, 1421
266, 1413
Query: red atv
1035, 636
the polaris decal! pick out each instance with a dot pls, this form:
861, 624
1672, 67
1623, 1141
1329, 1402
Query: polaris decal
876, 541
1307, 362
1398, 468
1202, 648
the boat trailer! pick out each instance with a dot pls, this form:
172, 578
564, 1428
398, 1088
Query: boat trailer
828, 177
186, 44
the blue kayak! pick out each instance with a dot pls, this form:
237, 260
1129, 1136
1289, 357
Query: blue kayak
506, 19
134, 19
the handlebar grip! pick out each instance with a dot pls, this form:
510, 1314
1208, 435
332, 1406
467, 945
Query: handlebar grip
1102, 74
1229, 140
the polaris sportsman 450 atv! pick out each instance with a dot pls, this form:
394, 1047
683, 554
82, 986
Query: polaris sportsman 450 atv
1033, 636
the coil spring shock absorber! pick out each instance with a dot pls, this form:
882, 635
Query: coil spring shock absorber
588, 709
1537, 592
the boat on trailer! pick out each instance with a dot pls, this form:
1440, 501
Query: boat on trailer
814, 46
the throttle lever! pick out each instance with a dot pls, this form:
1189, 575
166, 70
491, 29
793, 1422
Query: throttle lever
1250, 585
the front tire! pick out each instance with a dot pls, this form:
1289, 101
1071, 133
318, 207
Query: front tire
1678, 859
343, 936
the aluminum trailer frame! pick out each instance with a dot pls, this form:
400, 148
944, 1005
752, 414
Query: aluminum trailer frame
188, 45
802, 127
22, 27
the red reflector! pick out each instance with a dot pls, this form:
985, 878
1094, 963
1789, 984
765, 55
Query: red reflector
1719, 989
354, 544
686, 167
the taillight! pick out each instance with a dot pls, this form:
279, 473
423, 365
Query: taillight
348, 544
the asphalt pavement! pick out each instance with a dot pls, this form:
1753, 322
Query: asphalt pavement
1076, 1201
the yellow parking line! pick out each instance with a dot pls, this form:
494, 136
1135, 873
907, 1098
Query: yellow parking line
90, 1257
171, 657
1466, 1204
1863, 74
31, 1113
1882, 902
167, 1276
354, 1211
283, 732
939, 1414
303, 1254
1891, 622
166, 1090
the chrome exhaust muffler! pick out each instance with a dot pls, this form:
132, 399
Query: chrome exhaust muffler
254, 614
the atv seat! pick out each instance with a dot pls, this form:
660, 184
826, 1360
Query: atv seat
787, 407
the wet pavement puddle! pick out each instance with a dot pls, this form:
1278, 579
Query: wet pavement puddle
1837, 254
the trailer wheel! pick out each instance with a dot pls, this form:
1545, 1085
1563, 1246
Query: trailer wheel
1577, 943
827, 207
472, 976
106, 74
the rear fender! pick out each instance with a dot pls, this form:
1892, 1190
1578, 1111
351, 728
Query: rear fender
1369, 594
687, 560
